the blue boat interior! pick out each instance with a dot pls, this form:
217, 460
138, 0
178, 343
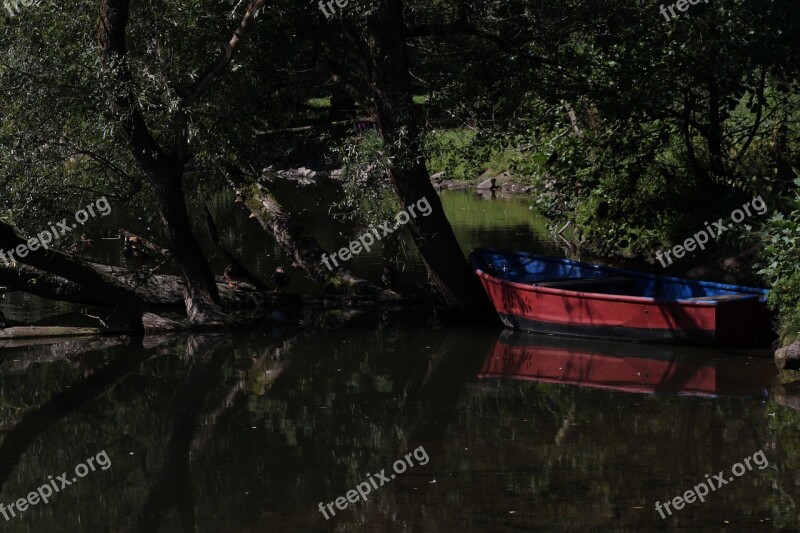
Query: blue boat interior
558, 273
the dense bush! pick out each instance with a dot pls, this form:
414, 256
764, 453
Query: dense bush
781, 237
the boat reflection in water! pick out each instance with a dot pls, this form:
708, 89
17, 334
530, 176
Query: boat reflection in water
626, 367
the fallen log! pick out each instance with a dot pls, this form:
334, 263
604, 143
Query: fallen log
164, 291
153, 290
152, 324
29, 332
31, 280
73, 268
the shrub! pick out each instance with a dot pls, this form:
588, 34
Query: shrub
781, 257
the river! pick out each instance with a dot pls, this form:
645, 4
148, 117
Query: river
441, 428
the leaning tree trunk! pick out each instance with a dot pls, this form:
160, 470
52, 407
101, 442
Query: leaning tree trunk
201, 296
301, 246
392, 96
165, 170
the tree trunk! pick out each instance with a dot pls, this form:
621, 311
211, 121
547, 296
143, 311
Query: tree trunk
392, 95
715, 149
54, 287
164, 171
201, 296
151, 290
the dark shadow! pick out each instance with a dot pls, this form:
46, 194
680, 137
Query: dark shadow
76, 397
205, 357
430, 397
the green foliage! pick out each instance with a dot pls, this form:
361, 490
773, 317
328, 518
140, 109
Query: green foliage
59, 145
449, 151
781, 237
368, 196
634, 130
465, 154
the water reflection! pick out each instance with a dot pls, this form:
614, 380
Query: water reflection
251, 431
625, 367
95, 382
204, 358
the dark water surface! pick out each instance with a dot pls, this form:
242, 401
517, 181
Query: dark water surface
496, 431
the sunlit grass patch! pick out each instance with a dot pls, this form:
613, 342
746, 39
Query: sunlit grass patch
319, 103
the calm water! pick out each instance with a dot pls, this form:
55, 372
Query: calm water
505, 432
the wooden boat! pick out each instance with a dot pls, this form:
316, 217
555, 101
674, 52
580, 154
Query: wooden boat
560, 296
625, 367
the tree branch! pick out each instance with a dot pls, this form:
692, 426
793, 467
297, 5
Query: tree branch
759, 111
226, 55
461, 27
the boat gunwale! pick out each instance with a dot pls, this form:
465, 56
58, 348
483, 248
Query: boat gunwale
592, 295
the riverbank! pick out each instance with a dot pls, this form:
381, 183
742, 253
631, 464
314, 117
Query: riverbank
487, 182
729, 262
316, 172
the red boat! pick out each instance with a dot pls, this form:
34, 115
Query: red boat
625, 367
560, 296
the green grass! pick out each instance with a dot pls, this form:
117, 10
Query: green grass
453, 152
503, 160
319, 103
446, 151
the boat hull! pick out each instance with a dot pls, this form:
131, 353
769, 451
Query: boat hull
539, 309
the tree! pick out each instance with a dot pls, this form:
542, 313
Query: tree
163, 168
